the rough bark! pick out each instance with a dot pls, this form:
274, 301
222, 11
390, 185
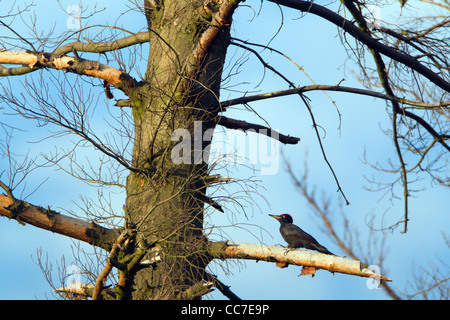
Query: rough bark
164, 199
53, 221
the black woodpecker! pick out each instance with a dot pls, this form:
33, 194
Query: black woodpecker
296, 237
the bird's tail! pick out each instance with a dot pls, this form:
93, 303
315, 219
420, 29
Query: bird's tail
322, 249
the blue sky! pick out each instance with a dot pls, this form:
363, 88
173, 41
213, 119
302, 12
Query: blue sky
314, 45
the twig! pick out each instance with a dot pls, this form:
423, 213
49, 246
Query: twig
274, 94
396, 109
360, 35
308, 106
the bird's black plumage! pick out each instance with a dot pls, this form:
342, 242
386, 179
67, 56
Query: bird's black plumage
296, 237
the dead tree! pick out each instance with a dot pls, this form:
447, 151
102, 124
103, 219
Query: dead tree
161, 251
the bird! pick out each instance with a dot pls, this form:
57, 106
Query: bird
296, 237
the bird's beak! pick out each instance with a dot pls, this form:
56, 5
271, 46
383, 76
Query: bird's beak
275, 216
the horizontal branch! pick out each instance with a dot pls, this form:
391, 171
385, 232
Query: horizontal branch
76, 290
338, 88
76, 65
360, 35
440, 137
55, 222
4, 72
285, 256
246, 126
100, 47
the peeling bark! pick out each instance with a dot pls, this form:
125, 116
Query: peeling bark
283, 257
70, 64
53, 221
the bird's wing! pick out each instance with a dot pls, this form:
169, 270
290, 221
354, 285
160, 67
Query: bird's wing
313, 243
295, 236
305, 236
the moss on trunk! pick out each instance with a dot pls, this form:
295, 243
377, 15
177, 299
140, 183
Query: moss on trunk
164, 198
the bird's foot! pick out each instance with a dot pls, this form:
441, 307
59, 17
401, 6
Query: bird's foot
288, 250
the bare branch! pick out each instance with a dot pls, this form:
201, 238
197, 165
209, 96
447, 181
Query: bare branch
323, 212
305, 100
76, 290
96, 295
224, 289
54, 221
246, 126
338, 88
274, 94
90, 68
366, 39
284, 256
100, 47
18, 71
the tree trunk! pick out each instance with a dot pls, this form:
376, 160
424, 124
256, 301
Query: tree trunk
165, 199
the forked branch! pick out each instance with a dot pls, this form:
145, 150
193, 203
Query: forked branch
441, 138
361, 36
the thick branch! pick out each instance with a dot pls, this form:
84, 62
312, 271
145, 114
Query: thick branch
246, 126
90, 68
284, 256
366, 39
224, 289
53, 221
76, 290
221, 18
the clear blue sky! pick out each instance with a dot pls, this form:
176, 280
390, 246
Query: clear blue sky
314, 45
